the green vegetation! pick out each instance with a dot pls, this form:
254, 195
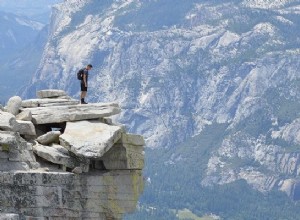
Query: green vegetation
256, 124
286, 109
186, 214
176, 176
4, 147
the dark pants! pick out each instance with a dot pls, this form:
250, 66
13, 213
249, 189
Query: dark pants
83, 88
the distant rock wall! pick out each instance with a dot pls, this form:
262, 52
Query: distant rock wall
63, 160
254, 158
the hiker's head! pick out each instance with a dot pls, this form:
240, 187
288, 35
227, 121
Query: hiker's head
89, 66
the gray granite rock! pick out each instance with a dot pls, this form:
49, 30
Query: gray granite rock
58, 114
24, 116
65, 97
55, 154
7, 121
287, 186
24, 127
69, 181
13, 105
90, 139
77, 170
13, 166
8, 216
21, 155
1, 108
17, 150
132, 139
49, 137
106, 121
127, 153
32, 103
64, 195
50, 93
124, 157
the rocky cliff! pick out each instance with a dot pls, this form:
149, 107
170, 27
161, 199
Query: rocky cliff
63, 160
178, 67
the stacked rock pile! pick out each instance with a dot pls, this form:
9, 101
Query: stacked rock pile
54, 134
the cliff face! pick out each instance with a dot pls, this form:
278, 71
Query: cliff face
58, 195
176, 70
62, 160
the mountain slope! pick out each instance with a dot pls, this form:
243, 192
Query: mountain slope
17, 71
15, 33
178, 67
21, 45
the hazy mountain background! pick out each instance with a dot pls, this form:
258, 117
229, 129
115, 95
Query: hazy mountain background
35, 10
23, 35
212, 85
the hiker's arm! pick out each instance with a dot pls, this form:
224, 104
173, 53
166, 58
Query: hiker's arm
84, 80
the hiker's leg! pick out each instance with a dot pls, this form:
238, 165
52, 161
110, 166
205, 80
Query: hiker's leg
83, 90
83, 94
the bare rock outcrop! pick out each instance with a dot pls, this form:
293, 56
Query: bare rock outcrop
7, 121
65, 113
90, 139
60, 159
14, 104
50, 93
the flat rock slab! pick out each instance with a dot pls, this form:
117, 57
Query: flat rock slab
55, 154
32, 103
58, 114
50, 93
90, 139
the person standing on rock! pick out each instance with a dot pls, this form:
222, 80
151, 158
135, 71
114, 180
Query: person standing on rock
84, 82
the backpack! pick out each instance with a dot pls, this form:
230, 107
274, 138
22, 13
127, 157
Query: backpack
80, 74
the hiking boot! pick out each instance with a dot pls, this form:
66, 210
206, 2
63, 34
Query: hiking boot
84, 102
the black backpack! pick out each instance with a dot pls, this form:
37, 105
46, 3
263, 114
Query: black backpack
80, 74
